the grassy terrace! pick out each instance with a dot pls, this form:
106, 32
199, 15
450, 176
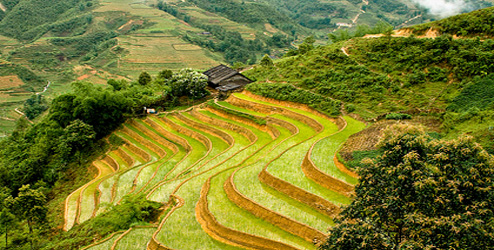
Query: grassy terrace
240, 219
88, 204
106, 244
167, 166
248, 184
136, 238
197, 153
195, 150
285, 168
190, 231
147, 172
326, 148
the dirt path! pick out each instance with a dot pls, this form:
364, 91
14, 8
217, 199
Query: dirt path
409, 20
362, 11
343, 49
3, 7
44, 89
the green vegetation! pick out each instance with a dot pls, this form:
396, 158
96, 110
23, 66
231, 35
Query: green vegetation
133, 210
398, 116
416, 194
475, 24
255, 119
287, 92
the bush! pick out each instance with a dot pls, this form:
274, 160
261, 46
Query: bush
398, 116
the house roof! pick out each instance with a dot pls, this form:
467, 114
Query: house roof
230, 86
220, 73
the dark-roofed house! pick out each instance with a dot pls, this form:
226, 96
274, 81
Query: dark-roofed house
224, 78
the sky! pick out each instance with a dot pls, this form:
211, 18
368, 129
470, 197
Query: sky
443, 8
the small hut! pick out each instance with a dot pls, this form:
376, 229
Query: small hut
226, 79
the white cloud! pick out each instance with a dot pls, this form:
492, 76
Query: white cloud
443, 8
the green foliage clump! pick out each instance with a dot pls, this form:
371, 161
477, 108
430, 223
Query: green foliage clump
257, 120
477, 23
30, 19
34, 106
381, 27
133, 210
398, 116
189, 83
479, 94
287, 92
420, 192
144, 78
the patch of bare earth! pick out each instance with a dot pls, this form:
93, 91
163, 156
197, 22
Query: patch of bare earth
368, 138
12, 81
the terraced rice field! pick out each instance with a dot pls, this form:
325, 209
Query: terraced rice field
236, 182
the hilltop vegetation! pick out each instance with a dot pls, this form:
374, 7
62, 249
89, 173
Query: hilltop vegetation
475, 24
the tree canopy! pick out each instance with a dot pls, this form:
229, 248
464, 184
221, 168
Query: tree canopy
421, 193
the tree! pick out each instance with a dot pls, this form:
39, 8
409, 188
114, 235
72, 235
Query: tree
144, 78
188, 83
77, 136
421, 193
30, 205
34, 106
307, 45
165, 74
266, 61
6, 216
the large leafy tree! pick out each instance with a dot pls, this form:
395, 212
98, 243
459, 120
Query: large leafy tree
421, 193
30, 205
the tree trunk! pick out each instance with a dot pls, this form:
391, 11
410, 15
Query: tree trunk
30, 233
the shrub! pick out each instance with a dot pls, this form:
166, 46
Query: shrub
398, 116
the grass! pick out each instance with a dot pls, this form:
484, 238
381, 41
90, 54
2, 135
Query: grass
88, 206
189, 229
105, 245
137, 238
325, 149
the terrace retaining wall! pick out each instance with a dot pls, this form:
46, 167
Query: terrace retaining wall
299, 194
227, 235
294, 227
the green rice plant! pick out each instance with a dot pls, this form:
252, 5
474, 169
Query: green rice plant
237, 113
136, 143
125, 183
249, 185
287, 170
166, 166
198, 151
87, 203
71, 204
106, 193
324, 150
247, 111
185, 216
106, 244
241, 220
137, 238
